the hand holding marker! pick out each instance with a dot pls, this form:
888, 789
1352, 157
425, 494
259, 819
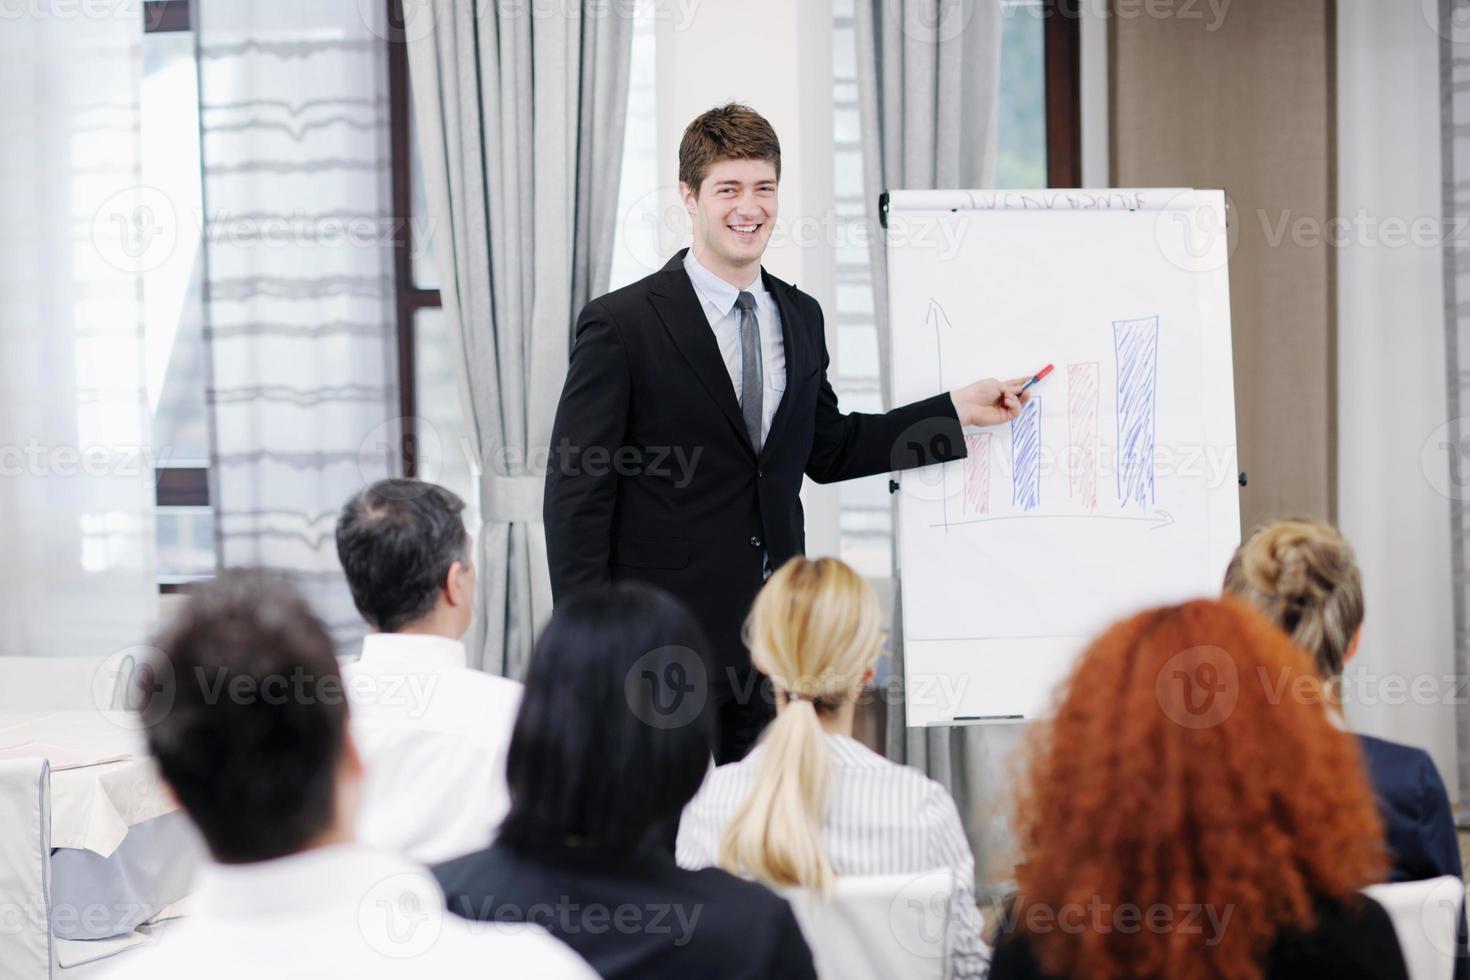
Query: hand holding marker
1037, 376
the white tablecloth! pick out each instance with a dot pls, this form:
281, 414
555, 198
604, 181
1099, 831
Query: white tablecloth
92, 806
121, 850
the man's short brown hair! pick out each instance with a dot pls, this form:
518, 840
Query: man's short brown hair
727, 132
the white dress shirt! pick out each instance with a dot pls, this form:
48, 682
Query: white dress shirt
882, 819
433, 736
344, 912
717, 297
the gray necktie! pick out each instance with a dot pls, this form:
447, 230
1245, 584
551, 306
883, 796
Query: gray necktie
750, 367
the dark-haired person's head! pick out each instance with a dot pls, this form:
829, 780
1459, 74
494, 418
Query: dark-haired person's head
252, 733
403, 546
729, 177
610, 742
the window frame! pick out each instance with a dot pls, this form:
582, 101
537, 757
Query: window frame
175, 486
409, 299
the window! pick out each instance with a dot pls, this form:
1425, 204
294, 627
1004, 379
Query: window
173, 312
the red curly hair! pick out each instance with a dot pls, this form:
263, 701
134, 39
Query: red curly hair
1190, 763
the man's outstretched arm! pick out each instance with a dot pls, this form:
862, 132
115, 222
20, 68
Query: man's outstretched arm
846, 446
581, 489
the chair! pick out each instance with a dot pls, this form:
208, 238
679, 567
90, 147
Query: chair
879, 926
1426, 916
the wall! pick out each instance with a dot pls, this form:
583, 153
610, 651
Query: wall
1241, 101
1391, 369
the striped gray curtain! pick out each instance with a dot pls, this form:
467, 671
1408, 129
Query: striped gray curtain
521, 168
1454, 67
298, 290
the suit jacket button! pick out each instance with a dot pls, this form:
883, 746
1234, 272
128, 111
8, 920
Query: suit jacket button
760, 474
755, 542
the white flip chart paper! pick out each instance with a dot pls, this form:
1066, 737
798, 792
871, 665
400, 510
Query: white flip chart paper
1117, 487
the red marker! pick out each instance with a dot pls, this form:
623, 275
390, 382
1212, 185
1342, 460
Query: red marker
1037, 377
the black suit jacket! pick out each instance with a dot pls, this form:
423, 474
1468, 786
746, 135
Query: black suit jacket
652, 476
639, 917
1415, 809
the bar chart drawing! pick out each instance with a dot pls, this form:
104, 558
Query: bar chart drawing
1136, 348
977, 473
1026, 457
1082, 451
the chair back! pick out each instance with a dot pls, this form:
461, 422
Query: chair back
874, 927
1426, 917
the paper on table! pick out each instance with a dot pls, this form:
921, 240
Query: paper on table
60, 756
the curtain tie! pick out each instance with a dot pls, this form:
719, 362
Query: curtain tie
511, 499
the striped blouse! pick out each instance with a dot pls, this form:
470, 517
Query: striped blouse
882, 818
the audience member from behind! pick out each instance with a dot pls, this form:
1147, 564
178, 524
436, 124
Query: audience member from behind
610, 744
252, 739
1302, 575
1182, 819
433, 731
810, 802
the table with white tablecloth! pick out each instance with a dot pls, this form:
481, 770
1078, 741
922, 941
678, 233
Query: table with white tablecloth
122, 852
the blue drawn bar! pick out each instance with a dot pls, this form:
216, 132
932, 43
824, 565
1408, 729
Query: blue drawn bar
1136, 345
1026, 456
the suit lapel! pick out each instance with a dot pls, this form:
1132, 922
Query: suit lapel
792, 331
678, 306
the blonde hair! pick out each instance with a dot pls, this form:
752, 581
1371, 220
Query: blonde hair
1302, 575
815, 630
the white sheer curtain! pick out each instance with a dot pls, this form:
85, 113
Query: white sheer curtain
76, 481
298, 280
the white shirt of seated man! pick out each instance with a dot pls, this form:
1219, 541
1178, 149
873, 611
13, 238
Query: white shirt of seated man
433, 733
338, 910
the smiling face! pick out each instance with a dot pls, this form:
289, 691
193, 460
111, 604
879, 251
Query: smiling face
733, 213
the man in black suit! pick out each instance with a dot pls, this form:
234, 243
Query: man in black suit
695, 400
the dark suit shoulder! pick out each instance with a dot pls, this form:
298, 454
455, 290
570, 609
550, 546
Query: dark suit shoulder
805, 303
1380, 751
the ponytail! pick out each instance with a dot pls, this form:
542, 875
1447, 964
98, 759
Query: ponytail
814, 631
776, 835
